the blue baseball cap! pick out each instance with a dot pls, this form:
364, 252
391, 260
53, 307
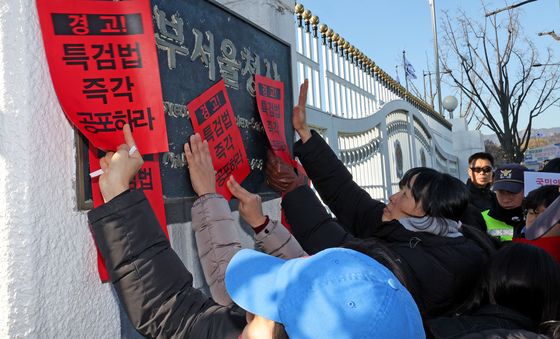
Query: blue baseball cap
336, 293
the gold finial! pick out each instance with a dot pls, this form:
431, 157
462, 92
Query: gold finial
323, 29
314, 20
336, 37
299, 8
341, 42
307, 15
346, 45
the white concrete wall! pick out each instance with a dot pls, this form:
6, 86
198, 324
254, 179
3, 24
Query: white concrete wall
48, 278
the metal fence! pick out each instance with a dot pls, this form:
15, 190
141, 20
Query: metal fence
377, 128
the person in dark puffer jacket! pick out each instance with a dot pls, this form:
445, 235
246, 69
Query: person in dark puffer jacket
517, 296
420, 224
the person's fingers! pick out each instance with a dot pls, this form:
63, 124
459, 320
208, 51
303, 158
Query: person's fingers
104, 162
128, 138
188, 153
123, 148
196, 145
236, 189
303, 93
205, 154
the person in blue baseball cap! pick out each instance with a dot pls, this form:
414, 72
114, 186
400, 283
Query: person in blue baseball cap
336, 293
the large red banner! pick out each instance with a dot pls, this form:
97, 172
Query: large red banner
212, 117
103, 64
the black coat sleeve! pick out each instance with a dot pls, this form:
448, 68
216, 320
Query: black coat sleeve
311, 225
151, 282
353, 207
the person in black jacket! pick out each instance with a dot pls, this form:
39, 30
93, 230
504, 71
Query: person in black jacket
481, 168
517, 296
315, 297
420, 223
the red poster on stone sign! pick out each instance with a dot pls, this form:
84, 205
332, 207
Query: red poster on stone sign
270, 101
147, 179
103, 64
212, 117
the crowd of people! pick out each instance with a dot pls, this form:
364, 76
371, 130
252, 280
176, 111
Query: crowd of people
412, 268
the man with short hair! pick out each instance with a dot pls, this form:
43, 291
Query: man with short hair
505, 219
481, 166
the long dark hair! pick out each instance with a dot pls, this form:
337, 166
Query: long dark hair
521, 277
440, 194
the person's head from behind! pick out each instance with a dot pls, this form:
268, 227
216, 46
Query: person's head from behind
552, 166
481, 166
427, 192
538, 200
524, 278
508, 185
336, 293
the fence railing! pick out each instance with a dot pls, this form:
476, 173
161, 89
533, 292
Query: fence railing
378, 128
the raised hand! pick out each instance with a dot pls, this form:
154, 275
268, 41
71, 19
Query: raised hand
201, 169
119, 167
250, 205
299, 119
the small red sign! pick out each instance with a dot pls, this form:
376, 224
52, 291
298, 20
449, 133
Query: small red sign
270, 101
212, 117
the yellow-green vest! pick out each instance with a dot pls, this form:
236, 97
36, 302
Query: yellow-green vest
497, 228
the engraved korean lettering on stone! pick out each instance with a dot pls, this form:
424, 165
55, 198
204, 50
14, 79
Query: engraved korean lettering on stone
175, 110
169, 36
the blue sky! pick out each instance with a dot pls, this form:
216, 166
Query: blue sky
383, 29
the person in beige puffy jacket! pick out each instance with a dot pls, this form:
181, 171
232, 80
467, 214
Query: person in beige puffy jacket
216, 235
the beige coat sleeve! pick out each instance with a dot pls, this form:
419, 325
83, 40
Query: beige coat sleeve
217, 241
276, 240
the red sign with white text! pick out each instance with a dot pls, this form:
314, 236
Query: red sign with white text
147, 179
270, 101
212, 117
103, 64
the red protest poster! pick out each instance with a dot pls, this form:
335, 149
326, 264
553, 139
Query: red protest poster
212, 117
270, 101
147, 179
103, 64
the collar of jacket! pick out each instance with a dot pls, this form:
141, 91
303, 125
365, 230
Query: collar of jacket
512, 217
485, 190
507, 314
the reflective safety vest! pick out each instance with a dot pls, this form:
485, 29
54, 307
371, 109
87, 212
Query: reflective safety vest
498, 228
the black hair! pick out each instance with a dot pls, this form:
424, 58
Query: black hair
279, 331
522, 277
542, 196
481, 155
552, 166
440, 194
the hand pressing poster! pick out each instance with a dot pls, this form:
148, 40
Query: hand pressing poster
212, 117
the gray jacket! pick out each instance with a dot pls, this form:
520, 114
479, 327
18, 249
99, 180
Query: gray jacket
218, 240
